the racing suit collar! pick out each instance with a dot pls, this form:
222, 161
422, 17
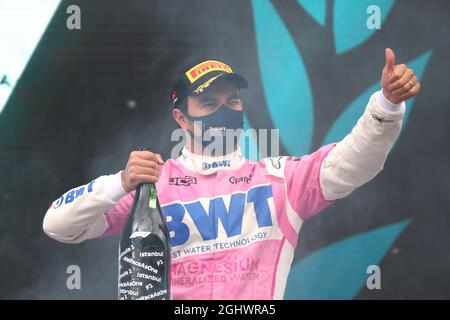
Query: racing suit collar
208, 165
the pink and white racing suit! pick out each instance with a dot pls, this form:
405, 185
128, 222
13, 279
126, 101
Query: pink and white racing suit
234, 223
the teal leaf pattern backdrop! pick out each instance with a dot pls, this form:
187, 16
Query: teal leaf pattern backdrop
349, 22
284, 78
338, 271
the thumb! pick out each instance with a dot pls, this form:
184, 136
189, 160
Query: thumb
390, 59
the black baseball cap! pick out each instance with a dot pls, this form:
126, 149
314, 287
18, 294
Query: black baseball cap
195, 77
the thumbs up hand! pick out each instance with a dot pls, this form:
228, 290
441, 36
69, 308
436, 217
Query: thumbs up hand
398, 81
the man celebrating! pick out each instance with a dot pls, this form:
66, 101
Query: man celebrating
234, 223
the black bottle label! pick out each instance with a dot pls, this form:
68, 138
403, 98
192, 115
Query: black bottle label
143, 269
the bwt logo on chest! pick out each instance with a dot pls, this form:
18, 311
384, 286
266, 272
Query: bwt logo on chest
207, 222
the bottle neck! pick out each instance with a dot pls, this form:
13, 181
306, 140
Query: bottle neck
146, 195
144, 189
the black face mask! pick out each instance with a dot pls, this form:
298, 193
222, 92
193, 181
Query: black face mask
217, 123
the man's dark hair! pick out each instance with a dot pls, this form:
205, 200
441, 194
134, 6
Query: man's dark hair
183, 105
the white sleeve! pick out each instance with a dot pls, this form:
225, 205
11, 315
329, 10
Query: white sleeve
361, 155
78, 214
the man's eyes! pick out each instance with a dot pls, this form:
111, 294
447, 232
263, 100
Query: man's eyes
234, 102
212, 104
209, 105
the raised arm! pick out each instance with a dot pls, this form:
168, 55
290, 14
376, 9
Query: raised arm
361, 155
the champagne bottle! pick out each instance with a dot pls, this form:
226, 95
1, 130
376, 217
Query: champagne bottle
144, 253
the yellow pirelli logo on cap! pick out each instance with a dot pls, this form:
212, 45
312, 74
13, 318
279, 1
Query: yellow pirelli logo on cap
207, 66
